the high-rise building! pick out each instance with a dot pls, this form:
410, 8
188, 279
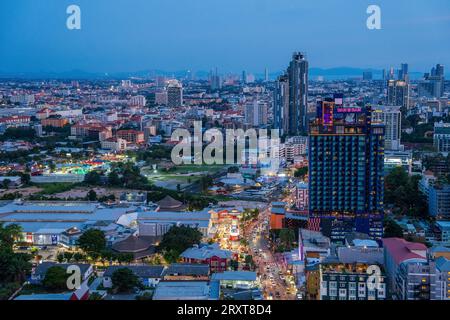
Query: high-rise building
346, 175
433, 84
174, 94
441, 137
391, 117
403, 72
398, 93
244, 77
367, 75
215, 80
298, 94
256, 113
266, 75
281, 104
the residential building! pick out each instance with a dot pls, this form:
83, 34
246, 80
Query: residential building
354, 273
54, 122
114, 144
439, 201
441, 137
442, 278
433, 84
131, 136
398, 93
256, 113
174, 94
391, 117
398, 254
281, 105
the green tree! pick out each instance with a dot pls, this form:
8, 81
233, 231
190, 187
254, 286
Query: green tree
55, 279
6, 183
91, 195
9, 234
60, 257
287, 237
93, 178
77, 257
392, 229
124, 280
92, 241
113, 179
25, 178
301, 172
179, 238
68, 256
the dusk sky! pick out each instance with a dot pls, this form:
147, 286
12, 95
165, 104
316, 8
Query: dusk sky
133, 35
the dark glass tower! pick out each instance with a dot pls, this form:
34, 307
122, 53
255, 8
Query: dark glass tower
346, 159
298, 94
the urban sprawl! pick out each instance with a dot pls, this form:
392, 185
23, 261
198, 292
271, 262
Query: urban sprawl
93, 205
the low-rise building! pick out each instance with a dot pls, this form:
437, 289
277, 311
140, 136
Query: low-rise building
237, 279
216, 258
187, 290
149, 276
38, 274
186, 271
114, 144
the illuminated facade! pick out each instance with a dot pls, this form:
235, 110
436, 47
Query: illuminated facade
346, 158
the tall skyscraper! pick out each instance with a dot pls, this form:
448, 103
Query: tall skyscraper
281, 104
298, 94
346, 178
244, 77
174, 94
433, 85
266, 75
398, 93
403, 72
215, 80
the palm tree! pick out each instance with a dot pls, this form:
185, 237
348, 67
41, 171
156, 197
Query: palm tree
9, 234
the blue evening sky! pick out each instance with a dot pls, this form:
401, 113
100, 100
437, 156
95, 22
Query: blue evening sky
133, 35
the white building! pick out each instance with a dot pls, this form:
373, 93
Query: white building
138, 101
256, 113
391, 116
114, 144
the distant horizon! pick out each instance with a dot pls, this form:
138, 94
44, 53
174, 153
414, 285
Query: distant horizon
123, 36
314, 71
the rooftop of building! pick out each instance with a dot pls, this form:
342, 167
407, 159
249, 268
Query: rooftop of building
402, 250
140, 271
186, 290
189, 269
235, 276
203, 252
